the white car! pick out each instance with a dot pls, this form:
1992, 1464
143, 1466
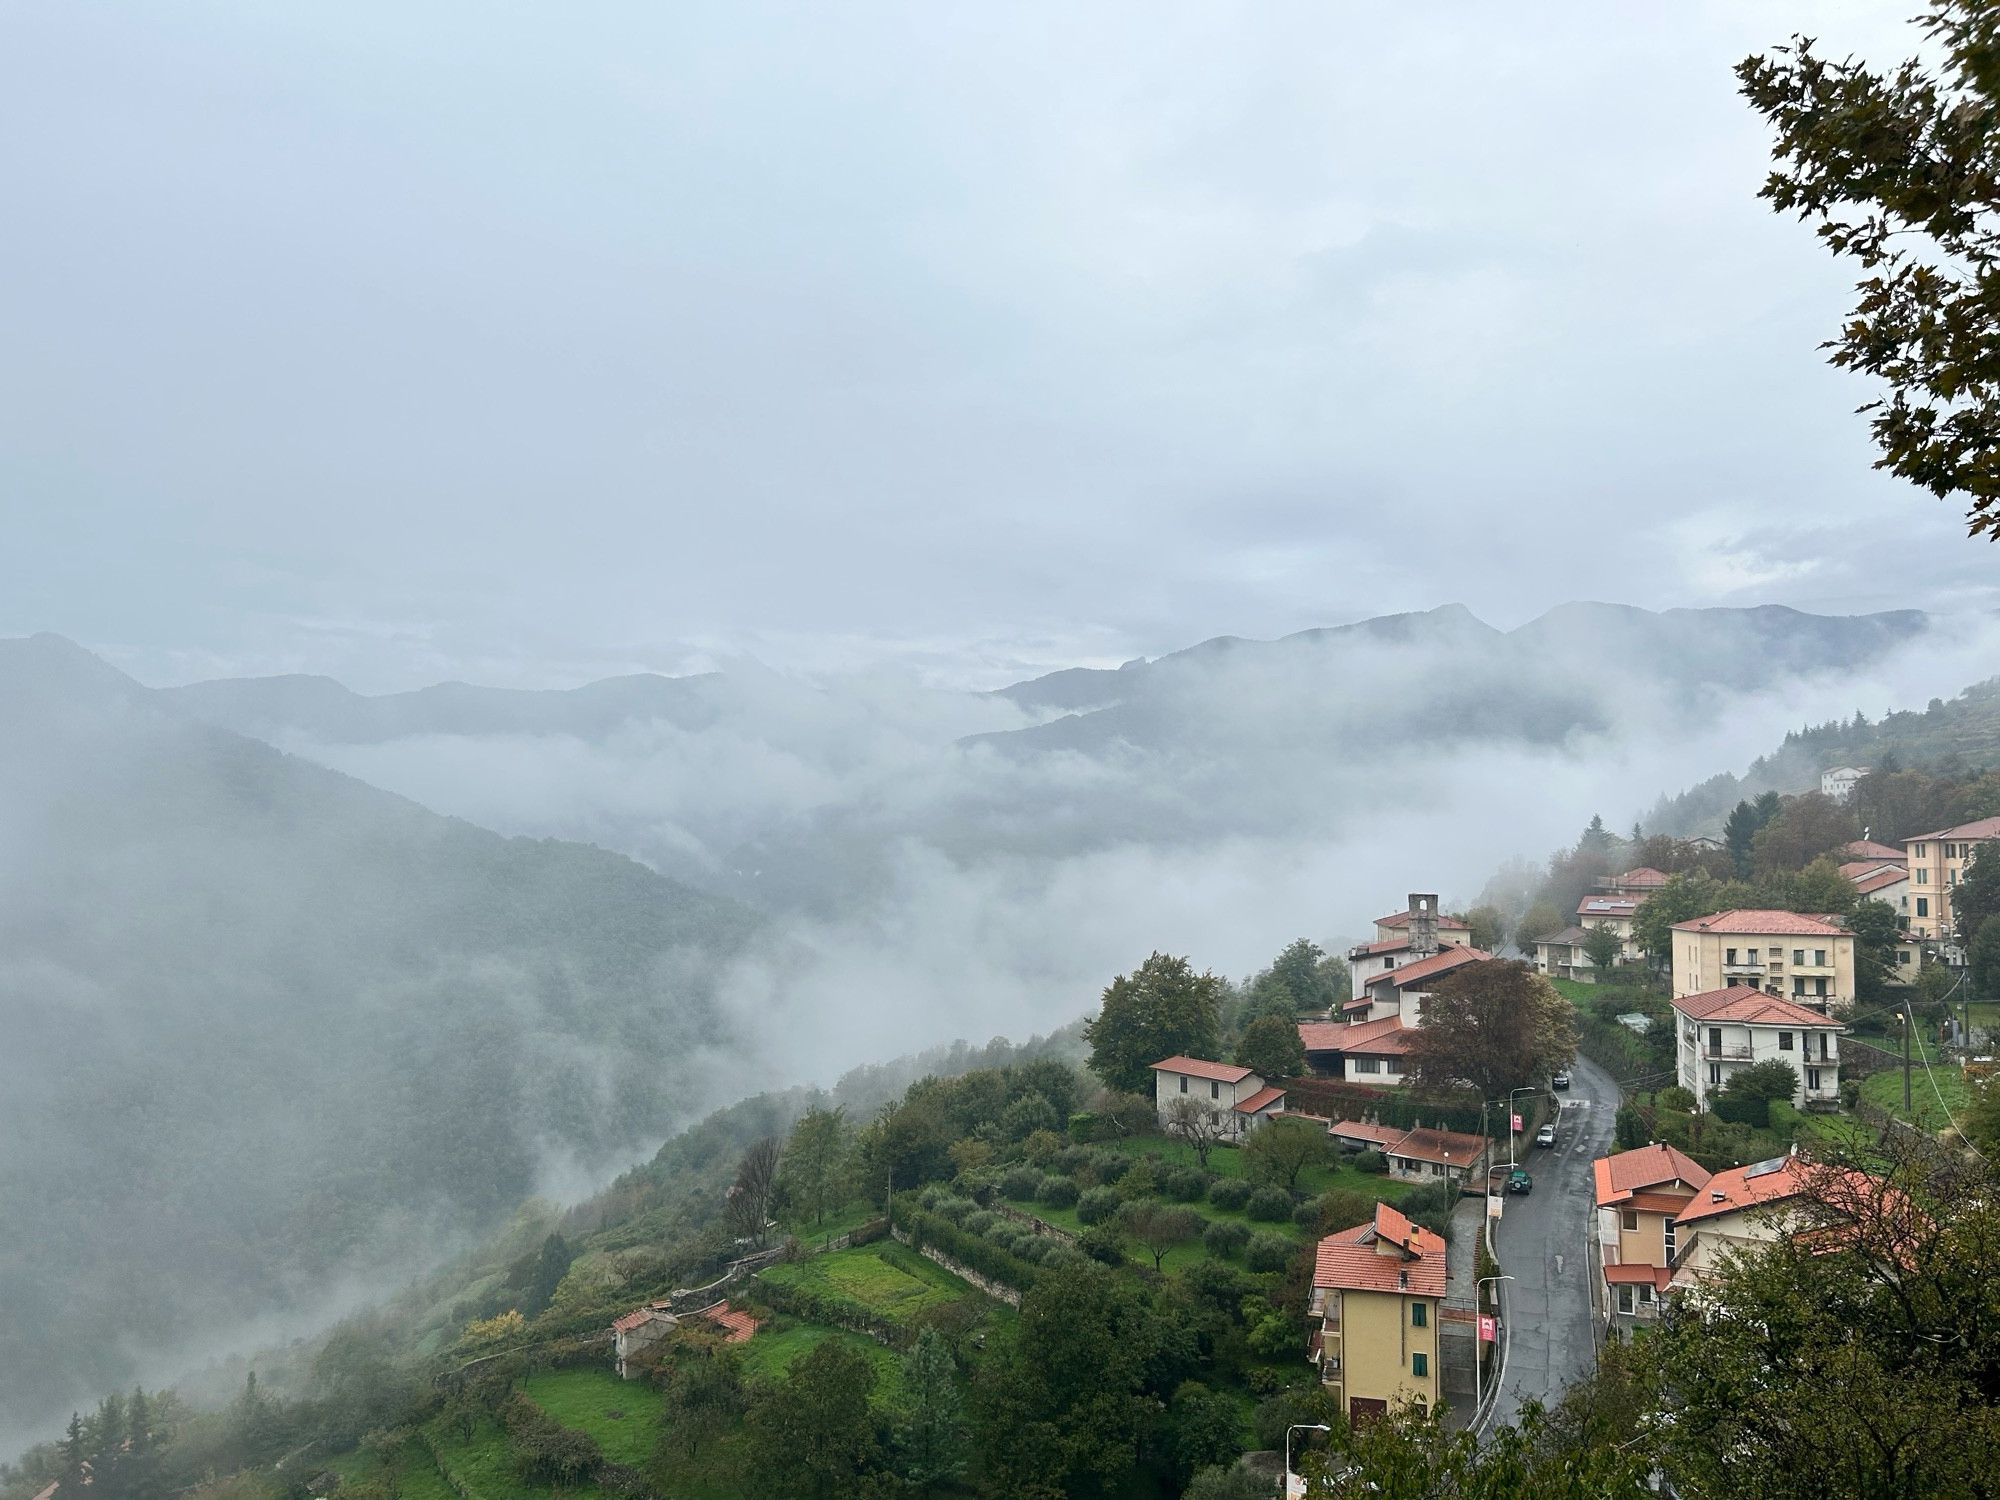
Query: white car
1546, 1136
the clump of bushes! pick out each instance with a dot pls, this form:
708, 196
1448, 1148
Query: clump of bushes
1182, 1184
1224, 1237
1098, 1205
1020, 1182
1269, 1205
1057, 1192
1103, 1242
1372, 1161
1269, 1252
1229, 1193
979, 1221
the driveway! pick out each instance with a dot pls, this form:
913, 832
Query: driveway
1542, 1242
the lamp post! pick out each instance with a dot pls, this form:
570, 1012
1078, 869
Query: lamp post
1903, 1015
1479, 1359
1297, 1427
1511, 1132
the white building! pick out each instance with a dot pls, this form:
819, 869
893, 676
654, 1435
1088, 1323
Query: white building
1838, 782
1234, 1097
1722, 1032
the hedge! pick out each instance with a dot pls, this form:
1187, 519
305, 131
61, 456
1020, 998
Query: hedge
817, 1306
968, 1249
1339, 1100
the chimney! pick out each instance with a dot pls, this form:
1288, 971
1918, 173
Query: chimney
1423, 926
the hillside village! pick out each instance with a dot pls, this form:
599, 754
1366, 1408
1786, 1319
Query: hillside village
1439, 1181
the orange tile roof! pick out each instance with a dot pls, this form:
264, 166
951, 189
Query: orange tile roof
1323, 1036
1387, 1036
1742, 1003
1739, 1188
1787, 923
1644, 875
1628, 1172
1197, 1067
1441, 962
1353, 1261
1264, 1098
1869, 849
1360, 1130
737, 1326
1887, 875
1451, 1147
1985, 828
1639, 1273
632, 1320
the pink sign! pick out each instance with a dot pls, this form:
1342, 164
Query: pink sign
1488, 1328
1517, 1122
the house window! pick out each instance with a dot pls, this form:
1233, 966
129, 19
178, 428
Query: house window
1437, 1170
1917, 850
1819, 985
1923, 906
1951, 877
1214, 1090
1645, 1294
1420, 1365
1670, 1241
1367, 1064
1825, 1047
1812, 1079
1715, 1038
1902, 957
1715, 1075
1392, 1065
1784, 1041
1798, 984
1798, 955
1819, 958
1729, 957
1625, 1296
1420, 1314
1777, 954
1923, 876
1630, 1220
1183, 1084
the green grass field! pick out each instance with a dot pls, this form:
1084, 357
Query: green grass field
586, 1398
483, 1463
772, 1351
884, 1277
1885, 1090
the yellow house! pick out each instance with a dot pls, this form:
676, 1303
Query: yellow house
1937, 863
1808, 960
1378, 1291
1639, 1195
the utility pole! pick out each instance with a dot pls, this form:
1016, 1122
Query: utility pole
1907, 1018
1479, 1354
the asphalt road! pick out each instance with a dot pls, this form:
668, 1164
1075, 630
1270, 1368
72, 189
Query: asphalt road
1542, 1241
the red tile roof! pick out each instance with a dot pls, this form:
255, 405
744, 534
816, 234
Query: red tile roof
1884, 875
1641, 878
1640, 1274
1353, 1260
1388, 1036
1401, 919
1386, 945
1323, 1036
1788, 923
1361, 1003
1985, 828
1739, 1188
1619, 1177
1360, 1130
1451, 1147
632, 1320
1441, 962
1264, 1098
737, 1326
1869, 849
1742, 1003
1197, 1067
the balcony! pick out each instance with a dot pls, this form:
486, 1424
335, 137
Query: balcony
1725, 1054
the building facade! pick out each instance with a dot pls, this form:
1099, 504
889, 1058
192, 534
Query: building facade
1235, 1098
1377, 1299
1937, 862
1721, 1032
1807, 959
1639, 1196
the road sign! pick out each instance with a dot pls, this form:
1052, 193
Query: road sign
1517, 1124
1492, 1205
1489, 1328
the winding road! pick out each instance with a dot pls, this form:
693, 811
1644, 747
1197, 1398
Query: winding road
1542, 1241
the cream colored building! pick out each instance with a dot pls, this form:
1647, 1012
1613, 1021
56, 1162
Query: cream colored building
1720, 1033
1808, 960
1752, 1205
1377, 1298
1639, 1195
1937, 863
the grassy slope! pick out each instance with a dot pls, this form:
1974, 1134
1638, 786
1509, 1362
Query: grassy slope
884, 1277
586, 1397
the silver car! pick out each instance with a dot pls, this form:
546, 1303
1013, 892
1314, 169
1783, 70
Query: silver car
1546, 1136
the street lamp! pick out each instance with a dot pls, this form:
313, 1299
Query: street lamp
1297, 1427
1478, 1383
1511, 1132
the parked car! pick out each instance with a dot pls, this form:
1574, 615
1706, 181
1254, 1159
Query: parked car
1518, 1181
1561, 1080
1546, 1136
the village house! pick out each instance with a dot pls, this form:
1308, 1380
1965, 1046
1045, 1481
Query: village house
1810, 959
1401, 993
1640, 882
1403, 937
1419, 1155
1721, 1032
637, 1332
1741, 1208
1378, 1290
1560, 955
1937, 862
1236, 1098
1639, 1194
1358, 1051
1838, 782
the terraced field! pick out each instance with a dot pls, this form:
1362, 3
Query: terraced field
885, 1278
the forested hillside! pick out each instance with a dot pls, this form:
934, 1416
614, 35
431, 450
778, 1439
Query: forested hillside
268, 1029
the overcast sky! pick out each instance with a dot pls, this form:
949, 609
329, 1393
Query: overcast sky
530, 343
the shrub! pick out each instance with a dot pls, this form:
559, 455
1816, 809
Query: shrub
1141, 1179
1097, 1205
1068, 1160
1225, 1237
931, 1196
1269, 1252
1110, 1165
979, 1221
1372, 1161
1229, 1193
1002, 1234
1269, 1205
1183, 1184
1306, 1215
1020, 1182
956, 1209
1341, 1209
1057, 1192
1103, 1242
1431, 1198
